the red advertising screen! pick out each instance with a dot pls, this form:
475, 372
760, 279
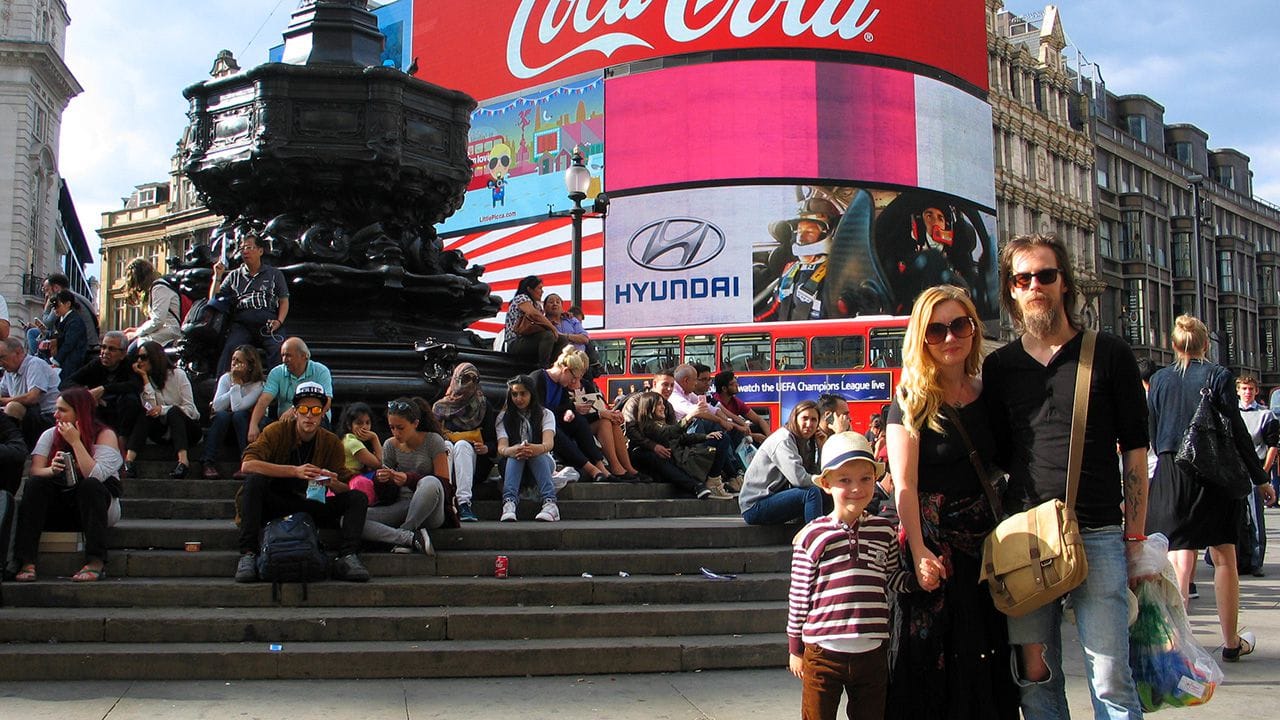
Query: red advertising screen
498, 48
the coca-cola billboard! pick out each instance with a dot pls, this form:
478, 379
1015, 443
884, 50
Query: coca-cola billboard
497, 48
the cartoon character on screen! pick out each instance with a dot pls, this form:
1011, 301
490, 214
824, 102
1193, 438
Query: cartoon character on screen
499, 167
797, 293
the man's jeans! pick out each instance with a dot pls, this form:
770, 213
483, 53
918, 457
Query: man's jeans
1102, 619
804, 503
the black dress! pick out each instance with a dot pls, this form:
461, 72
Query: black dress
1190, 514
949, 651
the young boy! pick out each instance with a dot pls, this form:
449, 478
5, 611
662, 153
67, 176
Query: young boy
838, 623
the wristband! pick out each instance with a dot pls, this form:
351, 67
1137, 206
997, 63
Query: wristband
1135, 538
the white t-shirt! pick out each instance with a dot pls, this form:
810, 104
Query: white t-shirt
33, 373
548, 423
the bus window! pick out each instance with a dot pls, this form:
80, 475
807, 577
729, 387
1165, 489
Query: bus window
649, 355
886, 347
613, 354
746, 352
789, 352
700, 349
837, 353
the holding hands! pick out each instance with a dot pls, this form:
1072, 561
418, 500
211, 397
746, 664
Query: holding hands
930, 572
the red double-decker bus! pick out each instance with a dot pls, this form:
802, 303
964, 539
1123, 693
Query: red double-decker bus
777, 364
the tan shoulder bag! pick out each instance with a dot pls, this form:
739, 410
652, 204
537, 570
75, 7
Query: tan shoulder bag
1037, 556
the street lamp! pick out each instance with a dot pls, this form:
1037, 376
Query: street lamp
577, 180
1197, 253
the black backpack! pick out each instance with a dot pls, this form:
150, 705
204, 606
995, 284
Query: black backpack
291, 551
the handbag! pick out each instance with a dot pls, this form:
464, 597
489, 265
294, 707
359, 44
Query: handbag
1035, 557
694, 459
526, 326
1208, 451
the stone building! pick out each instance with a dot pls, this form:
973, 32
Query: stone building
1180, 232
39, 233
1043, 151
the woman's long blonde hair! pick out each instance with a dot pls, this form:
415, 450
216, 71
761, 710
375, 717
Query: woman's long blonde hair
1190, 340
920, 392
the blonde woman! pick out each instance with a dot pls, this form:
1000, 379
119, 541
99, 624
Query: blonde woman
947, 636
1190, 514
143, 287
575, 444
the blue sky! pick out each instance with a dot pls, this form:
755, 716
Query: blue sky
1209, 63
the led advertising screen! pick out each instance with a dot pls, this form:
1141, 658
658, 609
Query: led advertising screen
542, 248
519, 149
798, 119
791, 252
497, 49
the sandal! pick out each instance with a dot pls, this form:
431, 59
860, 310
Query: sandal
88, 574
1247, 641
27, 574
599, 478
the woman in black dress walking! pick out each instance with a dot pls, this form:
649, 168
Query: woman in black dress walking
1192, 515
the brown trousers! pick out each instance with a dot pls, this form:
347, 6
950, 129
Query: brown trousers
865, 676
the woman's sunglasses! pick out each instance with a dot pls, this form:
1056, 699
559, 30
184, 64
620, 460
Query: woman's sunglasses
960, 328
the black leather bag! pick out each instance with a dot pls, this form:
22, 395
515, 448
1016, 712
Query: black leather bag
1209, 453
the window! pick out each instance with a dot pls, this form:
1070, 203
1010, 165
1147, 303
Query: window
837, 353
1135, 306
1225, 272
146, 197
1131, 235
886, 347
1182, 255
1182, 151
746, 352
1104, 172
649, 355
1230, 349
613, 354
700, 349
1105, 246
1137, 125
1225, 175
1126, 177
790, 354
1270, 363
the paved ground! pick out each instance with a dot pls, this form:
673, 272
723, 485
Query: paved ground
1251, 690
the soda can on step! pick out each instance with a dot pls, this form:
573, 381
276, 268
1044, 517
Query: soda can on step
500, 566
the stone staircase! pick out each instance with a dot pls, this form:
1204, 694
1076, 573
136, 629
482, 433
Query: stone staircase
615, 587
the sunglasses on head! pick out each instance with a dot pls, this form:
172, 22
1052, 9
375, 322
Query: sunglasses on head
1047, 276
400, 406
314, 410
960, 328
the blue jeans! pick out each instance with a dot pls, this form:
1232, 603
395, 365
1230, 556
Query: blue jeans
1102, 620
540, 465
725, 464
807, 503
218, 428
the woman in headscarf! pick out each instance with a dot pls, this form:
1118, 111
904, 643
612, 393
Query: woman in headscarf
467, 421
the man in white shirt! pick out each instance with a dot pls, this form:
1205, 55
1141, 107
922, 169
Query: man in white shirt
1264, 429
28, 389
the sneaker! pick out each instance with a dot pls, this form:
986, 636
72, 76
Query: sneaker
466, 514
179, 471
703, 494
550, 512
1247, 641
129, 470
422, 542
210, 471
734, 485
1192, 592
349, 568
508, 511
716, 486
247, 568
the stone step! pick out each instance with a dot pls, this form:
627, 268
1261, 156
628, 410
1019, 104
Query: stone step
188, 489
395, 659
570, 509
159, 486
397, 592
341, 624
526, 563
503, 538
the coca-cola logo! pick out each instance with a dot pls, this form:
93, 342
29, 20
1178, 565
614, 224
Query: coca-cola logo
564, 29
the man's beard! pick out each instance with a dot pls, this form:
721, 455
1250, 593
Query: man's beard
1042, 321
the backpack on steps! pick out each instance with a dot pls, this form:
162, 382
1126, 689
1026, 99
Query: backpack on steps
291, 551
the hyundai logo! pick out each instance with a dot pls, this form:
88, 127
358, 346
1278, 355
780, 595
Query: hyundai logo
676, 244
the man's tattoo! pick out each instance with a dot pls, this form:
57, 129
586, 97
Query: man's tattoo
1135, 492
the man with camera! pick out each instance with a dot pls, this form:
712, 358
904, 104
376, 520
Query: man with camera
258, 299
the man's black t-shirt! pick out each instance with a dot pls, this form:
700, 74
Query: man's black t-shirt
1030, 408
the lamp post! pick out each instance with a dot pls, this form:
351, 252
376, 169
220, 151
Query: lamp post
1197, 252
577, 179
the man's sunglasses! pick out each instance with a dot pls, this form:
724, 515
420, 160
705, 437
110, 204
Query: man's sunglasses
314, 410
960, 328
1048, 276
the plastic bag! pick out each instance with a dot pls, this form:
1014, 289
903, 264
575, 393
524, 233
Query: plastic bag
1169, 667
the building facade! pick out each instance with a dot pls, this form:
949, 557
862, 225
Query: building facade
1043, 149
38, 230
1179, 231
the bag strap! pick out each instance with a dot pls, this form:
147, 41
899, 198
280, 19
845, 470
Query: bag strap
1080, 414
983, 476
